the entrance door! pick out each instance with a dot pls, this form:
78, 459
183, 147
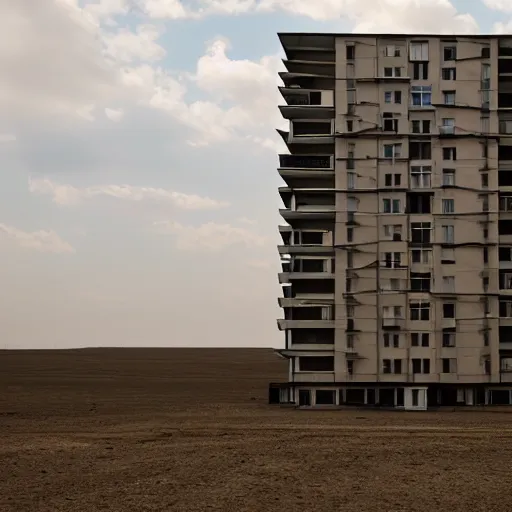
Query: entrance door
304, 397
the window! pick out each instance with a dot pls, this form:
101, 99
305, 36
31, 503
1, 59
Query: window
350, 366
486, 338
395, 72
449, 153
449, 284
393, 97
484, 178
487, 367
448, 234
422, 126
448, 310
415, 397
392, 366
448, 365
418, 51
449, 97
486, 52
351, 180
449, 74
420, 176
316, 364
394, 231
420, 365
505, 280
419, 310
391, 340
392, 150
420, 339
505, 253
420, 232
422, 256
350, 258
325, 397
448, 205
448, 339
350, 126
350, 234
449, 53
389, 122
421, 95
392, 259
420, 281
505, 309
448, 127
505, 127
392, 180
351, 51
392, 51
420, 71
420, 150
448, 177
391, 206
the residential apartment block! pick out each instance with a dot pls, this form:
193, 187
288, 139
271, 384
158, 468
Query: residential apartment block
397, 247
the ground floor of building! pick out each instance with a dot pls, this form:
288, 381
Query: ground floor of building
406, 396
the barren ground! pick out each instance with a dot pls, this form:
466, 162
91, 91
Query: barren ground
190, 430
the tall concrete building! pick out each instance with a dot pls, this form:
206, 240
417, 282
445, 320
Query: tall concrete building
397, 247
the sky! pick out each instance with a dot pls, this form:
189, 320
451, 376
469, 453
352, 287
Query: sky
138, 155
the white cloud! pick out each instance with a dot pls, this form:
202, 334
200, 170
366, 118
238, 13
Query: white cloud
210, 236
105, 9
42, 241
498, 5
114, 115
68, 195
127, 46
367, 15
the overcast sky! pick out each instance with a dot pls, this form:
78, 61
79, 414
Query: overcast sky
138, 204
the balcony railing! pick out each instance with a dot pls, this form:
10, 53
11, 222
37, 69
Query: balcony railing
305, 161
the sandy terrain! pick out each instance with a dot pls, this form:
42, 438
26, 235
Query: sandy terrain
190, 430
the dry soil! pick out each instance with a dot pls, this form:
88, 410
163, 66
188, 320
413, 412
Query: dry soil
189, 430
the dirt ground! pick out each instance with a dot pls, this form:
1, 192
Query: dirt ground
189, 430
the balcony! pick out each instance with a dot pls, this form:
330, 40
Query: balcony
317, 162
289, 302
286, 277
393, 323
305, 249
307, 104
283, 324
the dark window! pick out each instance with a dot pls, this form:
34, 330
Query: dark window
449, 74
350, 234
398, 96
446, 365
420, 232
449, 153
325, 397
350, 126
486, 52
419, 150
486, 255
505, 254
419, 311
421, 126
420, 70
450, 53
397, 366
351, 52
449, 310
386, 366
485, 180
420, 281
420, 339
316, 364
421, 366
